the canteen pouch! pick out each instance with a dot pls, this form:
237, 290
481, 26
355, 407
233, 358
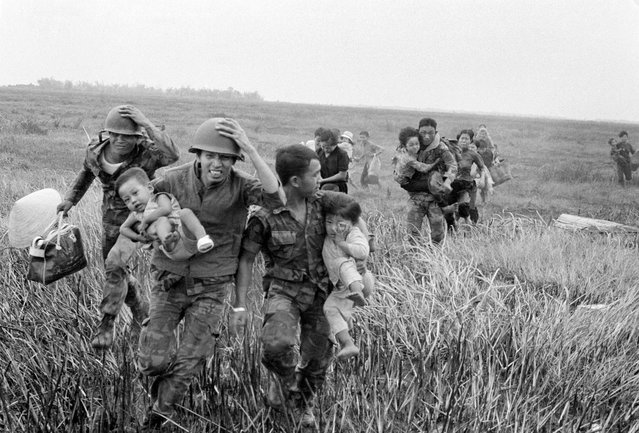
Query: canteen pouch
56, 254
500, 172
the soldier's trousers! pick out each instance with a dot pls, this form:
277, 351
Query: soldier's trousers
624, 170
422, 205
200, 302
288, 306
117, 250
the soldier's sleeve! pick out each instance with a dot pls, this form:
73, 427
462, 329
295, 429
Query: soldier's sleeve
80, 185
254, 235
451, 164
254, 194
159, 143
160, 184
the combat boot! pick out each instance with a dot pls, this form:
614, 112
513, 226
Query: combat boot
104, 337
152, 421
279, 390
302, 409
307, 417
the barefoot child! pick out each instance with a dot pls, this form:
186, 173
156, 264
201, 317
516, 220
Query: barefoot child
160, 218
345, 247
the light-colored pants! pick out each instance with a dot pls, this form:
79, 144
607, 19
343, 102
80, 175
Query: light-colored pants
338, 309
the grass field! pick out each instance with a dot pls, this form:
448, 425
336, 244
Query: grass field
490, 333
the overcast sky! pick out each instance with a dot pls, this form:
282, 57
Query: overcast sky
577, 59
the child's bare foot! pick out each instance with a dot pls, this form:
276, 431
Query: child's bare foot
205, 244
358, 299
450, 208
170, 241
348, 351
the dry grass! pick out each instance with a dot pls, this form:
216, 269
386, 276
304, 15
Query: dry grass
489, 333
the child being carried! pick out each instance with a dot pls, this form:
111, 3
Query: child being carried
160, 218
345, 251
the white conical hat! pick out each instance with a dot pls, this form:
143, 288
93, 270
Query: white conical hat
31, 215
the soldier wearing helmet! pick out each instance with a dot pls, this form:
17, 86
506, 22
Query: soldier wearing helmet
196, 289
132, 141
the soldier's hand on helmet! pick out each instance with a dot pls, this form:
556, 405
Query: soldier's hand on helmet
64, 207
231, 128
237, 321
135, 114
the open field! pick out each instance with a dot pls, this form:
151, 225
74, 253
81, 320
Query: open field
488, 333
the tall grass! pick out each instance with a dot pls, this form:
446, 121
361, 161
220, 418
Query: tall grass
491, 332
464, 338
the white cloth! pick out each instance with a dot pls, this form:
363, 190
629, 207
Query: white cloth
31, 215
334, 257
107, 166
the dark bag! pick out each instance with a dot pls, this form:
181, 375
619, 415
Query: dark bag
56, 254
500, 172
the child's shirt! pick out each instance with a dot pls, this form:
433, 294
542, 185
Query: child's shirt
404, 169
334, 256
406, 165
152, 205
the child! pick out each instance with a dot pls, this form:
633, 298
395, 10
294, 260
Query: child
160, 218
406, 163
345, 247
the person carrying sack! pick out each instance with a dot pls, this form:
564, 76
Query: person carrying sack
369, 151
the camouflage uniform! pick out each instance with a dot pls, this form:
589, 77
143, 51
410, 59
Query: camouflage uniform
298, 288
420, 201
194, 289
116, 249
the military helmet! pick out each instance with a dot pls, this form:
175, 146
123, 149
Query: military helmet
209, 139
121, 125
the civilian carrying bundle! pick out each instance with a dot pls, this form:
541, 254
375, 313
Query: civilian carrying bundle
57, 253
500, 171
374, 167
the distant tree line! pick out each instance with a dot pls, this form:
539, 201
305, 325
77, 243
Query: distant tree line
84, 86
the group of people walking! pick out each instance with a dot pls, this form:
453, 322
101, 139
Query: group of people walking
196, 219
338, 154
442, 177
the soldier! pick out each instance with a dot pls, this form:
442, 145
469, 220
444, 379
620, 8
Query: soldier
195, 289
427, 204
622, 156
291, 238
133, 141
